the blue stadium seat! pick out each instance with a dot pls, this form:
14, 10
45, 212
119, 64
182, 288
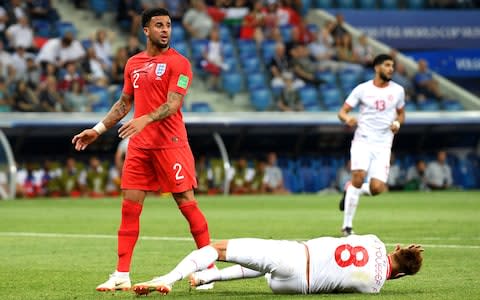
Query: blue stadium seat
389, 4
346, 4
348, 79
410, 106
61, 27
201, 107
368, 4
228, 49
225, 34
331, 98
291, 180
286, 33
198, 47
329, 77
99, 7
232, 64
181, 47
86, 43
251, 65
429, 105
452, 105
247, 48
178, 33
368, 75
307, 179
309, 97
256, 81
261, 99
41, 28
324, 4
268, 51
232, 83
415, 4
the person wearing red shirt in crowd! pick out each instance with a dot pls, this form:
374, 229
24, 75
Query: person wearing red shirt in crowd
159, 156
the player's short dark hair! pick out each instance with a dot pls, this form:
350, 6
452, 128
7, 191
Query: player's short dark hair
379, 59
148, 14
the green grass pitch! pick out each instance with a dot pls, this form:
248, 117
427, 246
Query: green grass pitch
63, 248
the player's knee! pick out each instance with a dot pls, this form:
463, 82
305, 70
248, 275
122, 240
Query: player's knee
377, 188
221, 248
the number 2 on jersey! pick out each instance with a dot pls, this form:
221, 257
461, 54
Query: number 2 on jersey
352, 258
178, 168
135, 79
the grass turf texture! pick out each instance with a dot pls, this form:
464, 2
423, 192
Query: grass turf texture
69, 266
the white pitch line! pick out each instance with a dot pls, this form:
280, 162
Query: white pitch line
181, 239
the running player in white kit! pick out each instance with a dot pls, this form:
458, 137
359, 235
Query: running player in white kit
357, 263
382, 112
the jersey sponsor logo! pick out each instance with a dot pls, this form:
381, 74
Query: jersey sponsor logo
182, 81
160, 69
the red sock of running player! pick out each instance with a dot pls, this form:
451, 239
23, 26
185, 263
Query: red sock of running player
128, 233
198, 223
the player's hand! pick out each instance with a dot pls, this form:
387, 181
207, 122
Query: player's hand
133, 126
85, 138
351, 122
395, 127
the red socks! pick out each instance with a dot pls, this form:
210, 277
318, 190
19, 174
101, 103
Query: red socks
198, 223
128, 233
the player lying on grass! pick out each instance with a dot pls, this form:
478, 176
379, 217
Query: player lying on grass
357, 263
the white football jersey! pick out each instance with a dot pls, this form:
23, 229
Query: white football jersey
378, 109
357, 263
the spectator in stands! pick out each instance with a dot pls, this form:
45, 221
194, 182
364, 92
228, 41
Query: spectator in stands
128, 15
19, 62
252, 24
33, 73
3, 23
302, 34
50, 98
364, 52
278, 65
212, 61
71, 74
42, 9
95, 69
273, 179
271, 29
338, 30
242, 177
5, 60
77, 99
438, 173
425, 85
118, 66
103, 47
401, 76
204, 175
343, 176
49, 179
24, 98
303, 66
6, 102
69, 179
94, 179
416, 179
345, 53
288, 99
322, 51
133, 46
20, 34
396, 176
257, 186
15, 10
196, 20
28, 181
61, 50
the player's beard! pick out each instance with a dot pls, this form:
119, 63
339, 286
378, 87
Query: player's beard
159, 44
385, 77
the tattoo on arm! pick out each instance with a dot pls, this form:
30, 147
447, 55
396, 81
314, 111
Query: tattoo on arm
119, 110
174, 101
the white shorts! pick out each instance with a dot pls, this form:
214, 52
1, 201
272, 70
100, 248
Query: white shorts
286, 261
372, 158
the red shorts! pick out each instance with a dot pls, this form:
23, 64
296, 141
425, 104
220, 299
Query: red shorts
166, 170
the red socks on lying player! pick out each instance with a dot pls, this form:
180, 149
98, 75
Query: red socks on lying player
128, 233
198, 223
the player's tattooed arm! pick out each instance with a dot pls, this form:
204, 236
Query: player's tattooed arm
173, 104
119, 110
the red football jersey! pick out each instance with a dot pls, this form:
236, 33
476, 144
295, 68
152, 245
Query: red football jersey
149, 79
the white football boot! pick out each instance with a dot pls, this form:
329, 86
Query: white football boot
115, 283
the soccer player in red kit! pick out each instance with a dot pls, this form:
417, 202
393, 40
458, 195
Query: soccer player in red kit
158, 156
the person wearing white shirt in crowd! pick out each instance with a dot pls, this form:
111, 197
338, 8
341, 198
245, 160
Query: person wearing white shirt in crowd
58, 51
438, 173
357, 263
273, 178
103, 47
21, 34
382, 112
5, 61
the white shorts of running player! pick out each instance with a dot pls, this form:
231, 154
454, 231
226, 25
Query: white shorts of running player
372, 158
286, 261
